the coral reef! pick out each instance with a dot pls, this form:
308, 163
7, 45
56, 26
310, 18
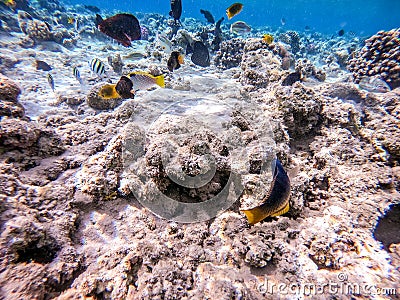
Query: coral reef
73, 225
229, 54
307, 70
300, 108
380, 56
259, 64
291, 38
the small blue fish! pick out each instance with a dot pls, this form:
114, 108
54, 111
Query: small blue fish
51, 81
77, 74
97, 66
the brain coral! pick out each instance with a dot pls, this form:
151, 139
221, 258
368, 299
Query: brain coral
379, 57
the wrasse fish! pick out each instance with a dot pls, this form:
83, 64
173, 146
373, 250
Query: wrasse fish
234, 9
374, 84
277, 200
143, 80
123, 28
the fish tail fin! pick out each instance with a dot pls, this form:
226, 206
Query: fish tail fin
160, 81
181, 59
255, 215
99, 19
282, 211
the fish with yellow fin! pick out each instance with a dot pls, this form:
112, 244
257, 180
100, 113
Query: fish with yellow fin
277, 200
71, 20
9, 3
108, 91
143, 80
267, 38
233, 10
175, 61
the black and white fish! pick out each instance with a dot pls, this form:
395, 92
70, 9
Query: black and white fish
97, 66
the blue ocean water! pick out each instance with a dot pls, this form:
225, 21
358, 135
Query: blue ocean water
363, 17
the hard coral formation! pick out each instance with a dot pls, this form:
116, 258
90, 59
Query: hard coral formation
38, 30
230, 53
379, 57
260, 65
301, 108
291, 38
307, 69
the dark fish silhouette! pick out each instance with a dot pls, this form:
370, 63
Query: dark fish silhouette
208, 16
42, 65
217, 35
200, 56
92, 8
218, 25
291, 79
189, 49
277, 200
175, 61
176, 10
124, 87
341, 32
123, 28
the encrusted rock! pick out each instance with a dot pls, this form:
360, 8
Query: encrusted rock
307, 69
230, 53
9, 90
301, 109
259, 64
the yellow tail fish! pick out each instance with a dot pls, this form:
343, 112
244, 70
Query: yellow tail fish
277, 200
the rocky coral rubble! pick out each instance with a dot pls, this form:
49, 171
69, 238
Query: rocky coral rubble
379, 57
230, 53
